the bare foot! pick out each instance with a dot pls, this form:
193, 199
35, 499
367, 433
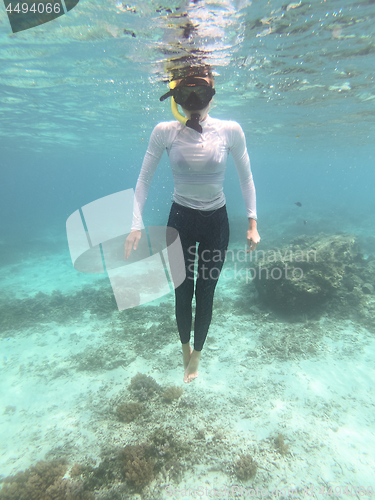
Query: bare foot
186, 353
191, 371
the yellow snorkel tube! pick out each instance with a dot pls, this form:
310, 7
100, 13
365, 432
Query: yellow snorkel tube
176, 113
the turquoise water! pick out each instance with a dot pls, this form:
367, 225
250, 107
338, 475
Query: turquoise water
79, 97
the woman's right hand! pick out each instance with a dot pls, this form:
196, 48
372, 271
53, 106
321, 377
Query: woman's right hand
132, 242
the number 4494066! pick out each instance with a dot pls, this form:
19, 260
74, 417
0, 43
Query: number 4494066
38, 7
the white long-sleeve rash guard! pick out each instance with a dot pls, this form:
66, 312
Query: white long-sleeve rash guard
198, 163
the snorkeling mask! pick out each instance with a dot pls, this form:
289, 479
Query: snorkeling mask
193, 94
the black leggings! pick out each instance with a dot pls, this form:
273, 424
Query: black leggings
211, 230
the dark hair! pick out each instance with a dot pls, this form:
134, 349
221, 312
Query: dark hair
202, 71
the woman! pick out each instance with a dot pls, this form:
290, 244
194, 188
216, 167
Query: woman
198, 147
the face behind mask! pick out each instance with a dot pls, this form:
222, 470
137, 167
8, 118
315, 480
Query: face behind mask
193, 97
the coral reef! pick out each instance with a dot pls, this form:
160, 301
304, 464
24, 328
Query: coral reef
77, 470
134, 466
172, 393
139, 472
127, 412
116, 492
187, 402
33, 482
9, 410
44, 481
245, 467
168, 450
63, 489
143, 386
138, 465
42, 308
104, 475
121, 474
98, 359
281, 447
315, 274
200, 435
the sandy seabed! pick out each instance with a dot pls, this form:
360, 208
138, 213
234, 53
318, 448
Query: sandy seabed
312, 382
